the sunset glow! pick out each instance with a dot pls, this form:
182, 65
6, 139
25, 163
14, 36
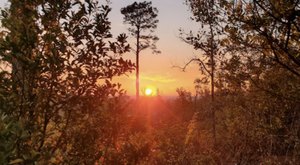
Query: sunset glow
148, 92
149, 82
158, 69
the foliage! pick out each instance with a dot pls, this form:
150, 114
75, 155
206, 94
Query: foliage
59, 106
209, 15
269, 28
57, 53
257, 81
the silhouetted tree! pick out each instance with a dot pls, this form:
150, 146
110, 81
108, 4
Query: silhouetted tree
56, 53
141, 16
261, 43
266, 27
207, 40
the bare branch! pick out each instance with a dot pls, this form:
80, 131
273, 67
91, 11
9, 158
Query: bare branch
200, 62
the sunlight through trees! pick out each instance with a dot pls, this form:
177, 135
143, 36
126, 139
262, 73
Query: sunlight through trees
60, 102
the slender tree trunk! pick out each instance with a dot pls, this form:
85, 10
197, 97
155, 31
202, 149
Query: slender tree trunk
213, 85
213, 102
137, 83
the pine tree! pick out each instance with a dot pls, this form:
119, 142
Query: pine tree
142, 17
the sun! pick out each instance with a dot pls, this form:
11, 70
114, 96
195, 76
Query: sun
148, 91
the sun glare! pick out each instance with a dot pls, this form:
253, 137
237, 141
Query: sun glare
148, 92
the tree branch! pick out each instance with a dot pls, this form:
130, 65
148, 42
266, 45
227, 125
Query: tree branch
193, 60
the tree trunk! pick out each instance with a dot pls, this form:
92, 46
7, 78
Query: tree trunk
137, 85
213, 85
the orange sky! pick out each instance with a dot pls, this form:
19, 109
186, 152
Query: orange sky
156, 70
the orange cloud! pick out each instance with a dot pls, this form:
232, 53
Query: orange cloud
155, 78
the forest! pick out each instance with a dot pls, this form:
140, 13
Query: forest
59, 105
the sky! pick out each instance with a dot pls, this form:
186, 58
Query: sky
157, 70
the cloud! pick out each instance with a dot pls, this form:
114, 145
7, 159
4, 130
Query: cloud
155, 78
